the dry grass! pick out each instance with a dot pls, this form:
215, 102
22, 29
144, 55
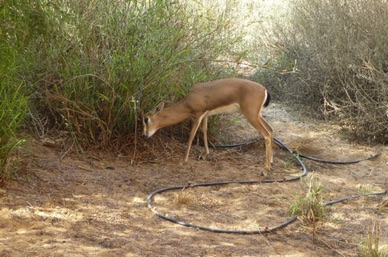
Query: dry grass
308, 146
370, 247
332, 57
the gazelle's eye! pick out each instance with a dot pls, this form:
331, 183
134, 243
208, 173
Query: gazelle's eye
146, 120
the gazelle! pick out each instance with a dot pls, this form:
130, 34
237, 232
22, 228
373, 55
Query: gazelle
220, 96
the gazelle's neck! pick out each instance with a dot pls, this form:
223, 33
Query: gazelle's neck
173, 115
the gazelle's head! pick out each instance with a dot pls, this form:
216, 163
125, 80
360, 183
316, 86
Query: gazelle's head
150, 123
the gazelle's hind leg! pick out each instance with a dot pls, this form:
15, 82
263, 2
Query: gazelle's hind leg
194, 128
270, 130
265, 129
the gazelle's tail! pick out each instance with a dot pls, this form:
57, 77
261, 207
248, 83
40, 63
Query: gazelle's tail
267, 100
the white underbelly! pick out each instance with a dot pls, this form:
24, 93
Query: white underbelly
232, 108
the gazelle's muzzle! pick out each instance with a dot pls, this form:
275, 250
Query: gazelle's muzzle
147, 133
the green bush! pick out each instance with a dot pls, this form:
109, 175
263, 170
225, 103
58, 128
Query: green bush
93, 64
12, 109
335, 55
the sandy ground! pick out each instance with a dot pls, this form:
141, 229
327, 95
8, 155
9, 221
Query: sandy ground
95, 205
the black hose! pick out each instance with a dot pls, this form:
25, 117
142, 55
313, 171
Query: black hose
338, 162
353, 197
266, 229
297, 152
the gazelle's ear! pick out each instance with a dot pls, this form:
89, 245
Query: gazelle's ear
158, 108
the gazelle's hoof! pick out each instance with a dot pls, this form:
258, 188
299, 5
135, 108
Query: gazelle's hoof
204, 157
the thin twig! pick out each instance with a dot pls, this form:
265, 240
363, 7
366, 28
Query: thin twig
68, 150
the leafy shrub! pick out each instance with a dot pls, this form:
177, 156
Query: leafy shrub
12, 109
310, 206
93, 64
335, 54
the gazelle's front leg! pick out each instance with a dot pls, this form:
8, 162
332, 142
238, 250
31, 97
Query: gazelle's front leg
194, 128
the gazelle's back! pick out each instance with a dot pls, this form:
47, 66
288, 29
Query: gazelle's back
223, 92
